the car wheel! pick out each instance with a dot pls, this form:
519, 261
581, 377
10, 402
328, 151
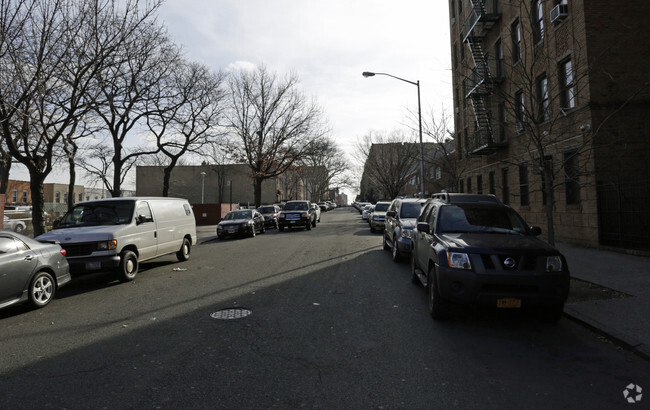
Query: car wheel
552, 314
41, 289
395, 254
386, 246
183, 254
313, 224
220, 237
414, 277
19, 228
277, 225
252, 235
281, 228
308, 226
263, 228
438, 307
128, 266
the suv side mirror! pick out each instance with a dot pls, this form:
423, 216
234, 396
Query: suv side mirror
391, 214
423, 227
535, 230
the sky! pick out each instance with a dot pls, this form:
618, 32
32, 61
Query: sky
328, 44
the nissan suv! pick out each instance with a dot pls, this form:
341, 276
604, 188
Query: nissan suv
297, 213
474, 250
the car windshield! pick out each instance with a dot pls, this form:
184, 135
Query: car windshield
99, 213
245, 214
296, 206
476, 218
266, 210
381, 207
410, 209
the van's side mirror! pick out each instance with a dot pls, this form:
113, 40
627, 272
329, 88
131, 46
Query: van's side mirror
140, 219
535, 230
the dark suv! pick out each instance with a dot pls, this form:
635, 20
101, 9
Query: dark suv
400, 221
473, 250
297, 213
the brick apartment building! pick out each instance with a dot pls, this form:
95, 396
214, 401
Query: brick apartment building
557, 91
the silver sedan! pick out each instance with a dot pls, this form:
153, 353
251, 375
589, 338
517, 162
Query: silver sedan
30, 271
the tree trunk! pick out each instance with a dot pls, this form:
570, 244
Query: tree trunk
257, 184
167, 175
5, 167
548, 208
116, 192
73, 177
36, 181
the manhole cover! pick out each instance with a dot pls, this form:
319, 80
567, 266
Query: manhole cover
232, 313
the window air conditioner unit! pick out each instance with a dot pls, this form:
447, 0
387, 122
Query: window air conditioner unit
559, 12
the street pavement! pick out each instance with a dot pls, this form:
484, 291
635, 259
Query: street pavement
624, 318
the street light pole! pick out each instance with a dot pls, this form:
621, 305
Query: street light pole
417, 84
202, 186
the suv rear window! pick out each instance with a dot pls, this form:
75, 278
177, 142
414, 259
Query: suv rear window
381, 207
296, 206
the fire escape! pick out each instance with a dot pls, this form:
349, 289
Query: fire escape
479, 85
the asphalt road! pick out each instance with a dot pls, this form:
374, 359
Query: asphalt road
333, 323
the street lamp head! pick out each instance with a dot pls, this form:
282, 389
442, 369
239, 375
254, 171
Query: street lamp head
203, 173
367, 74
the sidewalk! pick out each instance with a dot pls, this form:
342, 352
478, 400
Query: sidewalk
624, 319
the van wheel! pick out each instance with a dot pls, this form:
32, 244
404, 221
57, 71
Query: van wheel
184, 253
128, 267
41, 290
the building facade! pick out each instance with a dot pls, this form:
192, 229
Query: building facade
550, 113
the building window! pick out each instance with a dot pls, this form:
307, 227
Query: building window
542, 98
14, 196
515, 32
498, 53
81, 196
461, 187
438, 173
460, 8
25, 197
502, 122
479, 184
57, 197
505, 188
491, 183
567, 95
469, 185
520, 112
538, 21
571, 178
524, 199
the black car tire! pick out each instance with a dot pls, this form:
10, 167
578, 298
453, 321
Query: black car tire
183, 253
313, 224
438, 307
551, 314
252, 234
281, 228
128, 266
386, 246
308, 226
414, 277
19, 228
395, 253
263, 229
221, 237
41, 289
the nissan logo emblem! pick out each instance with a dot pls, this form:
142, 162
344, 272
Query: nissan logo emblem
509, 263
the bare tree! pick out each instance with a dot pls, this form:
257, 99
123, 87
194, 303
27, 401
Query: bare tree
322, 164
390, 161
189, 118
127, 88
442, 153
275, 122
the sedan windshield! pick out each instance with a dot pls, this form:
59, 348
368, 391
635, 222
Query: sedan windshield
473, 218
99, 213
245, 214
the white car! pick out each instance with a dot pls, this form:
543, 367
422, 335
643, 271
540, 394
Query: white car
15, 225
367, 210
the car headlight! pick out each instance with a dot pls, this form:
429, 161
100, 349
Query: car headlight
553, 264
406, 233
107, 246
458, 260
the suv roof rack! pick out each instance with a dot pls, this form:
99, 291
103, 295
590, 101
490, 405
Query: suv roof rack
457, 198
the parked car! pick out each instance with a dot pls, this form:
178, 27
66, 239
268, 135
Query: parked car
323, 206
365, 214
316, 210
15, 225
400, 221
32, 271
242, 222
474, 250
378, 217
297, 213
116, 234
271, 213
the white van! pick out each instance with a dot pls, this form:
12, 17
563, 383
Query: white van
115, 234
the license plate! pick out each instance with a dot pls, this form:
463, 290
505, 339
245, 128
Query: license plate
231, 231
293, 222
93, 265
509, 303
